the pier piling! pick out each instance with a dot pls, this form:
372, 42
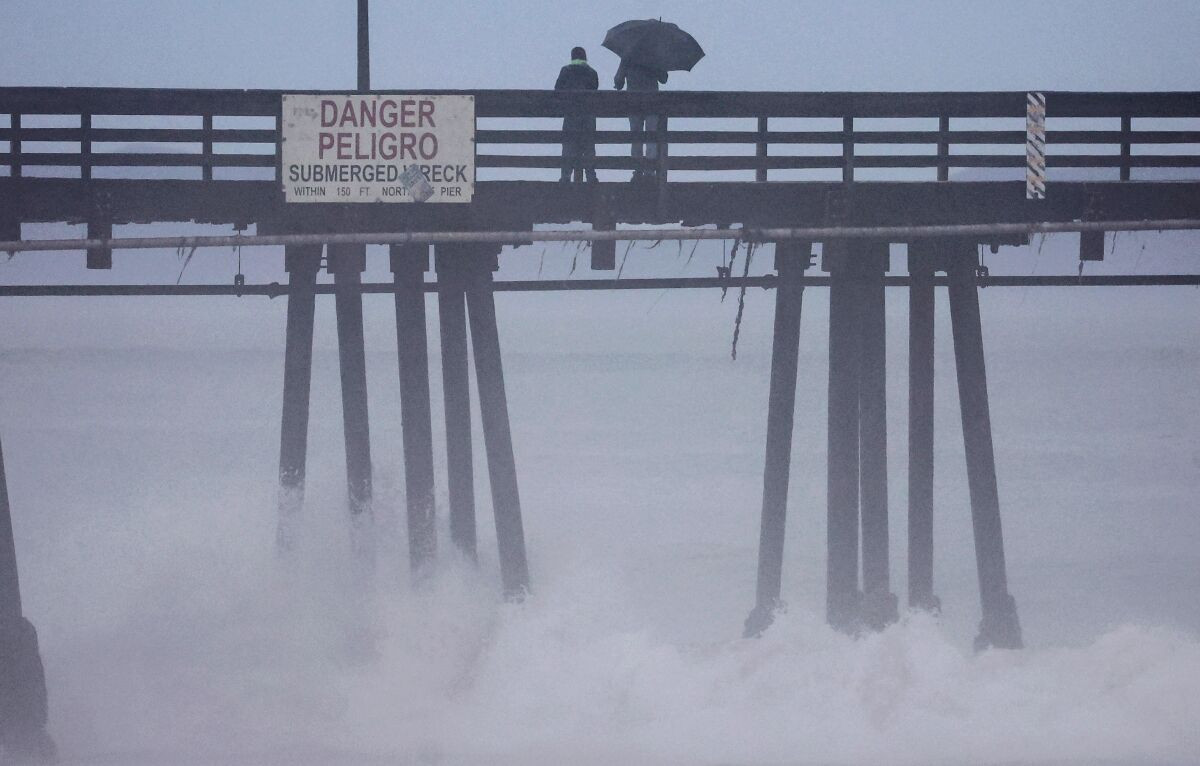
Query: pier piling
409, 264
456, 395
879, 603
23, 704
999, 627
921, 258
792, 259
843, 598
347, 262
493, 410
302, 263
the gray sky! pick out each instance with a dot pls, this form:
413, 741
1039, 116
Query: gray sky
775, 45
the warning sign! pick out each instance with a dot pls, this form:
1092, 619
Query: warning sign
377, 148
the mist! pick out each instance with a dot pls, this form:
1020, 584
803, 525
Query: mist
141, 440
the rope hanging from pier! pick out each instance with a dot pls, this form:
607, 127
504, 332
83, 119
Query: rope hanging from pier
726, 271
186, 258
737, 322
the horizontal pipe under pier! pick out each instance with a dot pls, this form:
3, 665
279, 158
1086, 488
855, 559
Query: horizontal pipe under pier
808, 234
768, 282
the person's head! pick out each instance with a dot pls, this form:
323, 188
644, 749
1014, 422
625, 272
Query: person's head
578, 54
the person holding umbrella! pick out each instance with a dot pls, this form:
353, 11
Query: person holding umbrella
649, 49
638, 77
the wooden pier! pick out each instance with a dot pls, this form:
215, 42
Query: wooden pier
843, 161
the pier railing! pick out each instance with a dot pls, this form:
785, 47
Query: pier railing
205, 135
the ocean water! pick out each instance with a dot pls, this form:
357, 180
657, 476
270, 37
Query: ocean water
141, 441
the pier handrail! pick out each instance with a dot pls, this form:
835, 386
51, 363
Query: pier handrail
217, 137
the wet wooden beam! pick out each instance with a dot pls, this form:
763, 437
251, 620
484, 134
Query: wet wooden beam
1000, 627
843, 598
791, 261
920, 426
409, 264
879, 604
24, 711
497, 432
347, 262
302, 263
456, 393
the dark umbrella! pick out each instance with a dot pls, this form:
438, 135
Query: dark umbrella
654, 43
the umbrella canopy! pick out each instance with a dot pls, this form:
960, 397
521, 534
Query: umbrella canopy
655, 44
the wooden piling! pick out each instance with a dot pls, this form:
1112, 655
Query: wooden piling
10, 584
409, 264
301, 263
1000, 627
497, 433
24, 710
879, 604
456, 394
842, 595
347, 262
920, 426
791, 261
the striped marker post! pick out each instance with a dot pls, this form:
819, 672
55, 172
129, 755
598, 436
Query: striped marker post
1035, 146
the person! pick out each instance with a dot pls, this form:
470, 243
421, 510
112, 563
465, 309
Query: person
579, 140
638, 77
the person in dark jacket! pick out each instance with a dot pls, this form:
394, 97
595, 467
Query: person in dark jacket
637, 77
579, 140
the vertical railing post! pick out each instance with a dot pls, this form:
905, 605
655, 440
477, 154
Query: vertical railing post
660, 139
347, 262
920, 426
206, 148
760, 151
99, 223
847, 149
999, 627
879, 607
662, 162
24, 711
456, 394
1126, 146
791, 261
85, 147
493, 412
10, 221
278, 149
943, 149
409, 264
16, 164
302, 263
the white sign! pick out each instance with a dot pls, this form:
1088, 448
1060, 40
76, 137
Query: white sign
378, 148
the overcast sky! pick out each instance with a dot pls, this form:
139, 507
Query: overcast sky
776, 45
